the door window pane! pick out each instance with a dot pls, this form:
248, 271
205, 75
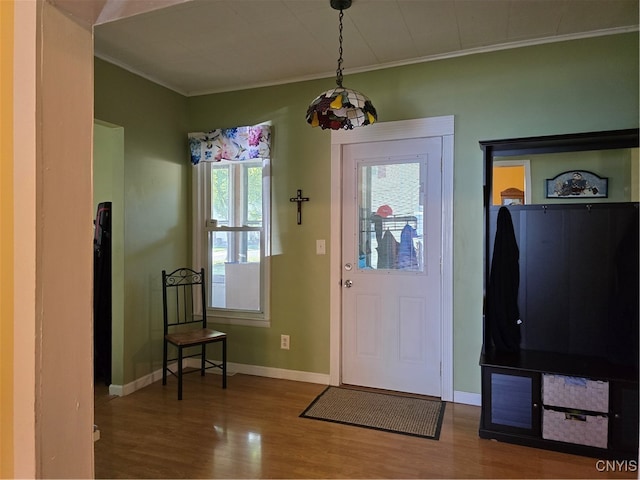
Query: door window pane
390, 206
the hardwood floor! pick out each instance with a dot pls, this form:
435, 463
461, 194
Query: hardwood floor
253, 430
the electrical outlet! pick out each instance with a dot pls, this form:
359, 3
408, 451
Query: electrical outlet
284, 342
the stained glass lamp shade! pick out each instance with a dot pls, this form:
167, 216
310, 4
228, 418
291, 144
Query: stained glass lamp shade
341, 108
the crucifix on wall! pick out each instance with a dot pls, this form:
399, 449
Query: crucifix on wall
299, 199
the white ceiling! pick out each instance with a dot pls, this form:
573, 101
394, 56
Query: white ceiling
205, 46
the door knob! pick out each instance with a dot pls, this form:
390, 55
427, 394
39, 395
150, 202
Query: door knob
348, 283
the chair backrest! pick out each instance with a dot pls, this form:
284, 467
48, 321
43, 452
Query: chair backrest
184, 298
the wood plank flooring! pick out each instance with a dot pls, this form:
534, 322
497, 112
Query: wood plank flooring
253, 430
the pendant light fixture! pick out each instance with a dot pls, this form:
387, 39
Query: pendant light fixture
341, 108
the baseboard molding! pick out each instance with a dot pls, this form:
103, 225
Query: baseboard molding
467, 398
232, 369
281, 373
137, 384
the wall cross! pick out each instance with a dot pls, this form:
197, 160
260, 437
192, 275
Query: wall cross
299, 199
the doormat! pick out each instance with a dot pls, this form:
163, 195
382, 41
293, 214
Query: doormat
414, 416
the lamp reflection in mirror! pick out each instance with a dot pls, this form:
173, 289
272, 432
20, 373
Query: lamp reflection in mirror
341, 108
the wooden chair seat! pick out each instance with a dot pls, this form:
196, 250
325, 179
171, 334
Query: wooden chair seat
194, 337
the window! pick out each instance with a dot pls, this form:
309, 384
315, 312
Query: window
231, 232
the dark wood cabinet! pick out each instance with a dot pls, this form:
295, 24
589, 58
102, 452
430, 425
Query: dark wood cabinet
624, 421
577, 298
513, 405
512, 402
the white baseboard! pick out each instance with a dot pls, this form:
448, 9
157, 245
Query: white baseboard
137, 384
281, 373
232, 369
467, 398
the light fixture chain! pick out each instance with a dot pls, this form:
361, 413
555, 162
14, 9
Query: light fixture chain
339, 70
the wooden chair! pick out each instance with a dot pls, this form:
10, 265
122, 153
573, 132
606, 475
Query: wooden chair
185, 326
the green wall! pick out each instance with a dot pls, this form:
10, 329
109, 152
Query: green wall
615, 165
156, 198
572, 86
108, 186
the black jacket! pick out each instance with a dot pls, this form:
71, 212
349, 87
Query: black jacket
503, 315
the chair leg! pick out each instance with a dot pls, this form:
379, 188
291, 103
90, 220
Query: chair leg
203, 359
224, 363
179, 373
164, 364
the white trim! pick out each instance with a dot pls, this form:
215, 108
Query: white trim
467, 398
137, 384
400, 130
232, 369
335, 270
212, 317
145, 381
446, 348
198, 202
281, 373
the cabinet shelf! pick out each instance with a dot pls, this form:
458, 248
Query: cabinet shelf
560, 364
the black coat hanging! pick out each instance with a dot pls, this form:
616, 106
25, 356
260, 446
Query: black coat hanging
503, 315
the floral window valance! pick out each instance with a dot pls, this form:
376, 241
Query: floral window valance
234, 144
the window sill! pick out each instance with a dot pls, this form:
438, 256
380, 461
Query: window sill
246, 321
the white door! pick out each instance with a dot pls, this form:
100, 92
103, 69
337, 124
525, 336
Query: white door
391, 247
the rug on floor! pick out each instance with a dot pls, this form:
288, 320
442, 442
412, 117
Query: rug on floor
389, 412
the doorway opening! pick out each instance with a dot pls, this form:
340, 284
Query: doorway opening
108, 187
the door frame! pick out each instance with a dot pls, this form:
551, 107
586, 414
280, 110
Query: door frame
399, 130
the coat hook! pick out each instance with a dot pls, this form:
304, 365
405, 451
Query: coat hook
589, 207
